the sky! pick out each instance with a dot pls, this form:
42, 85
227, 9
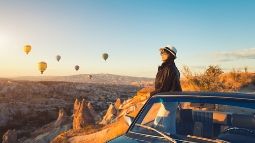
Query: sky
204, 32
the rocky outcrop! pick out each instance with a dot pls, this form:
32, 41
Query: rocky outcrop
113, 122
110, 115
27, 106
47, 137
62, 118
117, 103
131, 106
25, 118
76, 107
48, 132
94, 114
10, 137
82, 115
105, 134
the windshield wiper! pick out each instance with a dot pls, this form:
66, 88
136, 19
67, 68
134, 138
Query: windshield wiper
155, 130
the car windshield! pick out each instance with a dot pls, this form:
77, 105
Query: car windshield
198, 120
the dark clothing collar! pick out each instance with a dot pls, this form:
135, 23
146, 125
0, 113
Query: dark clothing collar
169, 62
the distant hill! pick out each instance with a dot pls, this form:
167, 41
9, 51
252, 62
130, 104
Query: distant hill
96, 78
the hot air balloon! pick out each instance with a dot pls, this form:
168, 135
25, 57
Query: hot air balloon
77, 67
42, 66
27, 49
58, 57
90, 76
105, 56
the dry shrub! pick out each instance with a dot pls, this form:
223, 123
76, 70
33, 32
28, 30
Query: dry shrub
236, 79
209, 80
214, 79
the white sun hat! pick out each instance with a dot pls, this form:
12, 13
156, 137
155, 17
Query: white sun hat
170, 49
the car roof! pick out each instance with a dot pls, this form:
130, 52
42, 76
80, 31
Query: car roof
232, 95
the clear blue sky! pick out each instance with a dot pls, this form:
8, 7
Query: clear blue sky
205, 32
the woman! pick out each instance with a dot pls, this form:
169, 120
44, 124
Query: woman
168, 76
167, 80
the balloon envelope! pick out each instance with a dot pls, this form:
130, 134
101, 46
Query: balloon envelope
27, 49
77, 67
105, 56
58, 57
42, 66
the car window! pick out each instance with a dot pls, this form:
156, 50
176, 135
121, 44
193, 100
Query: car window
210, 121
152, 113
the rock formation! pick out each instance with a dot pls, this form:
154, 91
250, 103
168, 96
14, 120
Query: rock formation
82, 115
110, 115
93, 112
76, 106
62, 118
117, 103
29, 107
47, 132
113, 122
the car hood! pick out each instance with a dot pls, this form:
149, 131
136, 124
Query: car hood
125, 139
130, 138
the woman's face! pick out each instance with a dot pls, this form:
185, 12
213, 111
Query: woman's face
164, 56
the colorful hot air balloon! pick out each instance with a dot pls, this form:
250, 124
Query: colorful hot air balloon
42, 66
105, 56
90, 76
77, 67
58, 57
27, 49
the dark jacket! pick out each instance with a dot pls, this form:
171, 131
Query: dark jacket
167, 78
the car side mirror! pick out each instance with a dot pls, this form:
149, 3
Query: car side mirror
129, 119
